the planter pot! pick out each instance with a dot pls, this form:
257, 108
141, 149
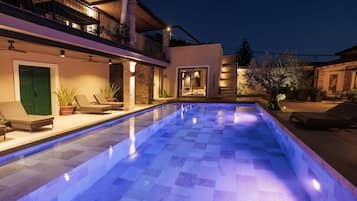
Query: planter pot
66, 110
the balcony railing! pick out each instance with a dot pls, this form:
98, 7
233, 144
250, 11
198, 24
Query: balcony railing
80, 16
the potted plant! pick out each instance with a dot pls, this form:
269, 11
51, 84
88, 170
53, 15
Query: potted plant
65, 97
109, 91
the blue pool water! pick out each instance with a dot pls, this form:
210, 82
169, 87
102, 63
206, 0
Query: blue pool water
215, 152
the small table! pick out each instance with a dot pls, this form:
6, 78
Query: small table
3, 131
4, 128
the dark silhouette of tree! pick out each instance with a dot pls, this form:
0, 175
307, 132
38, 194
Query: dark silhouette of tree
274, 73
245, 53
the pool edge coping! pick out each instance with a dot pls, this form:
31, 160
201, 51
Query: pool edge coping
322, 163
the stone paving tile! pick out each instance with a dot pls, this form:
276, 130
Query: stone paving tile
23, 176
231, 164
213, 159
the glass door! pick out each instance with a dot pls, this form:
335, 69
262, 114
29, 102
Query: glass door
192, 82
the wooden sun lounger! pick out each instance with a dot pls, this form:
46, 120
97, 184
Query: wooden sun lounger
85, 106
102, 101
15, 113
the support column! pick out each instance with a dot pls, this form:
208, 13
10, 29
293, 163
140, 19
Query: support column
144, 84
166, 36
129, 84
124, 7
132, 21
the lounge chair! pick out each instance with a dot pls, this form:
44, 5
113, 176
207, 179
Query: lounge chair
343, 115
15, 113
85, 106
102, 101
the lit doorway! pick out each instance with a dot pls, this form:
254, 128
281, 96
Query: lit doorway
192, 82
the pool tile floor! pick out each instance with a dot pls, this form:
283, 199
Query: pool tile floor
206, 153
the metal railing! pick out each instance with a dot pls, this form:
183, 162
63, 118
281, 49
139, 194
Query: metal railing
103, 25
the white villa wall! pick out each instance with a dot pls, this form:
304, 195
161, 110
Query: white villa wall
86, 77
209, 56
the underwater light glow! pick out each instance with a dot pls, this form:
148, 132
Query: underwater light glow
316, 184
194, 120
66, 177
244, 117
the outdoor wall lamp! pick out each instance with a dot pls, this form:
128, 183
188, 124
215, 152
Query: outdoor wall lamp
110, 62
62, 53
132, 65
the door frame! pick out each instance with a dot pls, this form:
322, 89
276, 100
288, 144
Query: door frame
208, 79
54, 80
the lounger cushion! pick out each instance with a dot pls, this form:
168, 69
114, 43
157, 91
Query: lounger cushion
15, 113
319, 120
86, 107
102, 101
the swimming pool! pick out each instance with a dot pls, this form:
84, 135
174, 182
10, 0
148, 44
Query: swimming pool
173, 152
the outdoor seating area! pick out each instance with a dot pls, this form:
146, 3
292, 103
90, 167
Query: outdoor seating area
84, 106
62, 124
101, 100
343, 115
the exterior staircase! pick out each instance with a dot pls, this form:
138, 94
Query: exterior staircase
228, 81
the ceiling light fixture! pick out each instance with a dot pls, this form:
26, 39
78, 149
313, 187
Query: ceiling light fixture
110, 62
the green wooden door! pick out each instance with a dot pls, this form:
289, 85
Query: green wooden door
35, 89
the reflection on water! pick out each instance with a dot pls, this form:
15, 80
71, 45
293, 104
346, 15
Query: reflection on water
110, 151
132, 147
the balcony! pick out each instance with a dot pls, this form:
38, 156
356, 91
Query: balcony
82, 17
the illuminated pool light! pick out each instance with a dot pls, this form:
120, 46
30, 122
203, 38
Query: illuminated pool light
194, 120
66, 177
316, 184
244, 117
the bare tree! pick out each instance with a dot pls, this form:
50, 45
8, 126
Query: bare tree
275, 72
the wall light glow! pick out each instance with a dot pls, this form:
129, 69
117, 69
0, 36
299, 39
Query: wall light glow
132, 65
90, 12
316, 184
66, 177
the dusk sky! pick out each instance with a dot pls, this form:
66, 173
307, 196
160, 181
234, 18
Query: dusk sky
302, 26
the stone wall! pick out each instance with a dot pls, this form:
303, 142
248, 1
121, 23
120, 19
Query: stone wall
143, 84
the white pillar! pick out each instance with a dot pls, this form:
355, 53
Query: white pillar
124, 8
132, 21
129, 84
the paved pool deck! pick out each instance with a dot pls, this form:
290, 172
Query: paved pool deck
338, 147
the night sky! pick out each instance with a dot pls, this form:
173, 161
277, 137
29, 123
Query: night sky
301, 26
